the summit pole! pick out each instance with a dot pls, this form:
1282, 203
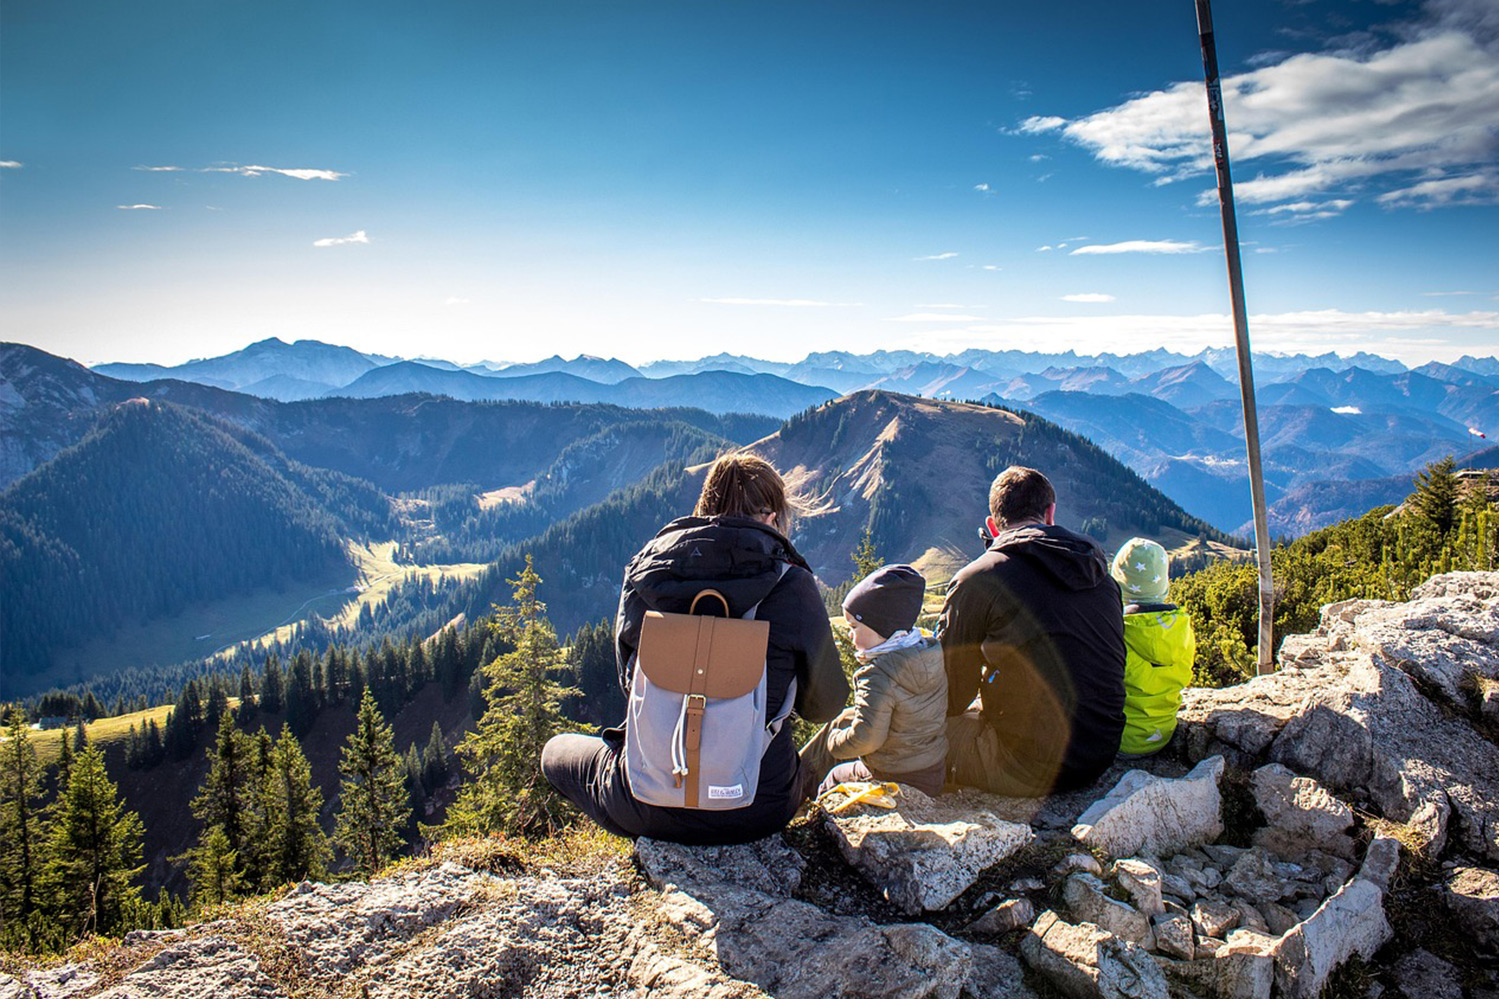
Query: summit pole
1241, 332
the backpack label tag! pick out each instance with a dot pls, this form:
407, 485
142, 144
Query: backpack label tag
730, 791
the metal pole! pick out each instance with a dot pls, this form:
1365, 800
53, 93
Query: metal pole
1241, 331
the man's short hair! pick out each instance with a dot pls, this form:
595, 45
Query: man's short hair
1020, 495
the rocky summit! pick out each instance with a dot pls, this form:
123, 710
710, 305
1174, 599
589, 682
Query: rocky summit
1332, 827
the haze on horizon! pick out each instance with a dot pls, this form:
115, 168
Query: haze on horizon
664, 180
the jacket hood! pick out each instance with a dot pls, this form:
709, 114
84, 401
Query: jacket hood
1074, 560
738, 556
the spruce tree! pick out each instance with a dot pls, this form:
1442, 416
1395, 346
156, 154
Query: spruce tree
434, 760
225, 799
1436, 497
23, 834
95, 850
506, 792
273, 686
296, 847
865, 558
213, 869
372, 796
254, 855
80, 735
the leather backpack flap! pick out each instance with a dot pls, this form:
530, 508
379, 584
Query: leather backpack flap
714, 656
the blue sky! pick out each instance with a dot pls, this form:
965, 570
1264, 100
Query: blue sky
507, 180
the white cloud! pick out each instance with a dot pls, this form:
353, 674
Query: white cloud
985, 188
10, 165
139, 208
455, 300
1088, 296
1299, 210
160, 169
359, 237
934, 317
946, 305
1045, 249
1474, 189
800, 303
993, 267
937, 256
1038, 157
1140, 246
1313, 122
1347, 410
1450, 294
300, 173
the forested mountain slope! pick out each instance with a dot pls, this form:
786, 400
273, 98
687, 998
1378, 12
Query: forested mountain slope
156, 508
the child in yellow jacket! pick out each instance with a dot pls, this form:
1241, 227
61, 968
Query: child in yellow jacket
1160, 647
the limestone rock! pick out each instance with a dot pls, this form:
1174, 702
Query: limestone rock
1255, 879
1300, 814
340, 926
1277, 917
1086, 962
1351, 922
767, 865
1214, 919
1422, 975
1088, 903
1233, 971
794, 950
1173, 936
996, 975
1004, 917
1157, 815
1142, 881
1381, 860
1472, 896
209, 966
1084, 862
924, 853
1350, 707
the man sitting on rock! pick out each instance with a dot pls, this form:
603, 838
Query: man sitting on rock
1035, 627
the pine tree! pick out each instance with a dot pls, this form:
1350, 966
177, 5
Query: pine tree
1436, 497
64, 761
434, 760
23, 835
213, 869
372, 796
296, 847
225, 799
254, 855
80, 735
273, 686
248, 689
95, 850
507, 792
865, 558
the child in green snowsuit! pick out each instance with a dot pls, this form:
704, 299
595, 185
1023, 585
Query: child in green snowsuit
1159, 647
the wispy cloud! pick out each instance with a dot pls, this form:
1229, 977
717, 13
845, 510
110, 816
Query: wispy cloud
938, 256
934, 317
299, 173
1423, 107
1140, 246
1473, 189
455, 300
1347, 410
796, 303
140, 208
359, 237
945, 305
1306, 211
992, 267
11, 164
983, 188
1452, 294
1088, 296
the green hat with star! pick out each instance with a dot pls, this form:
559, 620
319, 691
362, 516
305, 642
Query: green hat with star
1142, 571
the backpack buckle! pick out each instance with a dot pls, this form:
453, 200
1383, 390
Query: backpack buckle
698, 701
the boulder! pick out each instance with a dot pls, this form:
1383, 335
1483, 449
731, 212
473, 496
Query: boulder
1156, 815
1214, 919
1422, 975
1088, 903
1351, 922
1141, 880
925, 852
996, 975
1471, 894
1381, 860
1173, 936
767, 865
1255, 878
1365, 705
1085, 962
1233, 971
1300, 814
1004, 917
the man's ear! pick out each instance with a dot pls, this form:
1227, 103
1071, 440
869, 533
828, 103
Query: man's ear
993, 527
1051, 515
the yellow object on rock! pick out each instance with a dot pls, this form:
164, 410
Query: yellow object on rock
862, 792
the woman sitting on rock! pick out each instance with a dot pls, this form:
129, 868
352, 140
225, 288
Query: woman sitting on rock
734, 545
